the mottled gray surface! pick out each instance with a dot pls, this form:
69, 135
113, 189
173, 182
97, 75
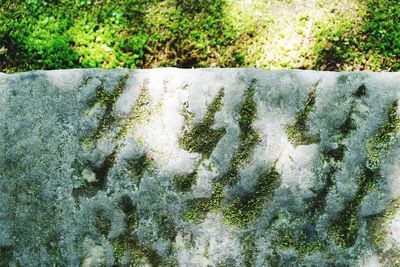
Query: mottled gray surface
206, 167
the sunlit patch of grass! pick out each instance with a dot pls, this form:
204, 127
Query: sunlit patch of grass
323, 34
290, 34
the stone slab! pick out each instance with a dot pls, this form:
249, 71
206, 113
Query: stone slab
205, 167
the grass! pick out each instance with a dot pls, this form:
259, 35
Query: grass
324, 34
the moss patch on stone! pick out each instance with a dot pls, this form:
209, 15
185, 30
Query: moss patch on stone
380, 143
202, 138
102, 222
248, 137
298, 133
128, 245
297, 234
198, 208
140, 114
377, 226
108, 100
5, 255
139, 166
244, 210
346, 224
184, 183
249, 250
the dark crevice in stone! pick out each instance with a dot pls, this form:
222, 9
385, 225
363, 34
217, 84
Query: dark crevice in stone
102, 171
102, 222
6, 253
337, 153
361, 91
317, 203
90, 189
348, 125
125, 203
128, 241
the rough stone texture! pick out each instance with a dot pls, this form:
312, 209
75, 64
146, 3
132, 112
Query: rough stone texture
207, 167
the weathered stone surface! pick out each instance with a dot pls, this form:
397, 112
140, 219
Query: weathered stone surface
207, 167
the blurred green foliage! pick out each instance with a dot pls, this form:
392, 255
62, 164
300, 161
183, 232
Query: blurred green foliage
272, 34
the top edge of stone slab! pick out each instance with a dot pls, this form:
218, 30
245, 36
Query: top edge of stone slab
219, 70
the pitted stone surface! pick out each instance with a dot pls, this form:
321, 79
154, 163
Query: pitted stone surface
206, 167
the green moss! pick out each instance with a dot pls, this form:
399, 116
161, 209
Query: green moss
128, 243
5, 255
380, 143
296, 235
377, 226
102, 223
140, 165
184, 183
298, 133
140, 114
244, 210
346, 225
248, 137
249, 250
198, 208
108, 100
201, 137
